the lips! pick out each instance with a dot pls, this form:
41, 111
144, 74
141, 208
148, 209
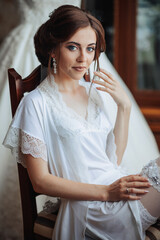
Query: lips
80, 69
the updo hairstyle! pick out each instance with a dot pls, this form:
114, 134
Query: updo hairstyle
62, 24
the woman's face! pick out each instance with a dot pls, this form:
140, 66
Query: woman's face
76, 54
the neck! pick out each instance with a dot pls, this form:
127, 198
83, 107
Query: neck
66, 84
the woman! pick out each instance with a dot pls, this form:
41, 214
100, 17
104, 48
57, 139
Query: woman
62, 134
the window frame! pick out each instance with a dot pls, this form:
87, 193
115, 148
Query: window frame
125, 62
125, 57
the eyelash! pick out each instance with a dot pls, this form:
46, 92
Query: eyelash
91, 48
73, 48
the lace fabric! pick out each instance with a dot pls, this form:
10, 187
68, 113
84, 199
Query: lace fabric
67, 121
146, 218
152, 172
22, 143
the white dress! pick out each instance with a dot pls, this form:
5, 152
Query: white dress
76, 149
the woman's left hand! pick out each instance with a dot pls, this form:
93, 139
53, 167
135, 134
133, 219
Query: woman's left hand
131, 187
113, 87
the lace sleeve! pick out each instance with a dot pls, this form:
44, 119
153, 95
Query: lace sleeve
22, 143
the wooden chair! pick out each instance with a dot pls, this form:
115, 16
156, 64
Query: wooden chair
18, 87
39, 226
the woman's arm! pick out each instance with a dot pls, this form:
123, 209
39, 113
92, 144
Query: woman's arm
121, 131
113, 87
46, 183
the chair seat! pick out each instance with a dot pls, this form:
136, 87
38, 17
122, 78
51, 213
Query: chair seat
153, 232
45, 223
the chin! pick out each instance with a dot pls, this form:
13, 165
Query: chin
78, 76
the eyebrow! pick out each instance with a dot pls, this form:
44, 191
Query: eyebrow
78, 44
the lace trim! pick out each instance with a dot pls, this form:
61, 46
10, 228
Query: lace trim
22, 143
152, 172
93, 110
146, 218
67, 121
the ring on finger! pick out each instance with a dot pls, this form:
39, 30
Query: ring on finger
127, 190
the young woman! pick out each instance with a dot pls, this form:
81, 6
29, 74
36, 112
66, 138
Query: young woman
62, 134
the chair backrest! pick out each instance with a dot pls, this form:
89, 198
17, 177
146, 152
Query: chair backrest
18, 87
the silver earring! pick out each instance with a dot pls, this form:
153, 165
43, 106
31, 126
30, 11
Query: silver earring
54, 66
87, 72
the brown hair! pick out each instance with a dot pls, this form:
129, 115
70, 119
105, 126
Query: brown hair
62, 24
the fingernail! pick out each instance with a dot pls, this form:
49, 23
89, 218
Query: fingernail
146, 191
96, 78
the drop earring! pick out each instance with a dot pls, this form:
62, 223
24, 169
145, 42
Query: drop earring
87, 72
54, 66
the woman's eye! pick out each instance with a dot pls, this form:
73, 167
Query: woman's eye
72, 48
90, 49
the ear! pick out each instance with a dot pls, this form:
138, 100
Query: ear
53, 55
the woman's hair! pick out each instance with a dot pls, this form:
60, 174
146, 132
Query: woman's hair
62, 24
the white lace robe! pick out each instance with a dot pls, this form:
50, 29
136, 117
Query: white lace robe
77, 149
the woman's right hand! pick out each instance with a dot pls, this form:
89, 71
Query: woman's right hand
130, 187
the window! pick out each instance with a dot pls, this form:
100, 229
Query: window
133, 59
132, 30
148, 44
104, 11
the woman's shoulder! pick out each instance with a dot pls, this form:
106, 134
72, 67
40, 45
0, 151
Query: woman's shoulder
33, 98
31, 108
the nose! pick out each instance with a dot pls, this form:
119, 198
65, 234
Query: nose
82, 57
